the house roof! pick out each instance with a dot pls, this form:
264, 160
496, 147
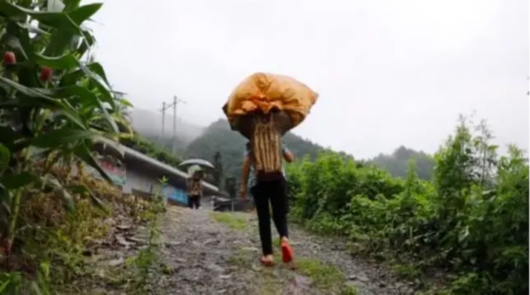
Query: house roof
128, 154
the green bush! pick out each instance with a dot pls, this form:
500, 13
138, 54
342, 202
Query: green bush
471, 220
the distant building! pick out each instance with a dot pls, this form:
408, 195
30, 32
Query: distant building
140, 175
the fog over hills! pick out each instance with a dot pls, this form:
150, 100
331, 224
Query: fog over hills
197, 141
149, 123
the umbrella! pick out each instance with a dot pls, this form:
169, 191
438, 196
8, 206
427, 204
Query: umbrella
198, 162
194, 168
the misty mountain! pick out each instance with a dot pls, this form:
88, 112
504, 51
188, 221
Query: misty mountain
194, 141
149, 124
218, 137
397, 162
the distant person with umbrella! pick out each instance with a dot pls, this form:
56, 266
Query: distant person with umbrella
194, 186
194, 182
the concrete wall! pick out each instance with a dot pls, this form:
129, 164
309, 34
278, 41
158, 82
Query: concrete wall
132, 179
143, 182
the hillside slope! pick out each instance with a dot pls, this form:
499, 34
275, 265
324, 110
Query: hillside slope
194, 141
219, 138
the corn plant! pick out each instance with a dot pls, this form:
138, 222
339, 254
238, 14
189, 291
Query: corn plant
55, 103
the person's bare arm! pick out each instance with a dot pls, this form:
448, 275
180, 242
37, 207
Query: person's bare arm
245, 171
287, 155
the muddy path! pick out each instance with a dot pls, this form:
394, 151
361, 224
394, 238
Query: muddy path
217, 253
205, 252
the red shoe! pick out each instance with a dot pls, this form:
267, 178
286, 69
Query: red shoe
287, 251
267, 261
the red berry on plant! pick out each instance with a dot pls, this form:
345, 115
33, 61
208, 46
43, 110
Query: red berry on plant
46, 74
9, 58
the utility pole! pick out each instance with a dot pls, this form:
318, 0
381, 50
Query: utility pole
163, 116
174, 146
165, 106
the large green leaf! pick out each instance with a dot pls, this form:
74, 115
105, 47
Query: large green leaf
73, 77
67, 24
103, 88
62, 20
59, 42
13, 140
84, 154
18, 39
9, 136
53, 183
98, 69
108, 118
71, 5
81, 189
95, 73
26, 90
83, 13
36, 98
85, 96
88, 41
13, 182
53, 19
5, 156
63, 136
125, 102
6, 281
64, 62
10, 10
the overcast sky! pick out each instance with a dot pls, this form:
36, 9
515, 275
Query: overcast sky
388, 72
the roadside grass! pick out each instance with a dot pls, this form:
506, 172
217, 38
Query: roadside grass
323, 276
233, 221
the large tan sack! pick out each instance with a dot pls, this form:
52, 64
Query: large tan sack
265, 92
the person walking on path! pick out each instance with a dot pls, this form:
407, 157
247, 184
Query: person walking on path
268, 191
195, 190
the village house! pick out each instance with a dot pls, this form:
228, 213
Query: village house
140, 175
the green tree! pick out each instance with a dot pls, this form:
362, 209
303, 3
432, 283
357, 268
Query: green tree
219, 173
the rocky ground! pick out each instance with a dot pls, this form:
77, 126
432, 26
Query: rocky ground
203, 252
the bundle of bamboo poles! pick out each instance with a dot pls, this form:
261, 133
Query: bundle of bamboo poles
266, 145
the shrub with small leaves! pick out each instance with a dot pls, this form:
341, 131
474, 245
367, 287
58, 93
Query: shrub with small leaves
471, 220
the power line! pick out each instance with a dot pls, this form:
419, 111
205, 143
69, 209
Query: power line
165, 106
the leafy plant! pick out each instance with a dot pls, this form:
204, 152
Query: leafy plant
470, 221
55, 104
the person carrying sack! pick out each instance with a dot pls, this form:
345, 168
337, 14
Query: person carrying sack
268, 187
195, 190
263, 108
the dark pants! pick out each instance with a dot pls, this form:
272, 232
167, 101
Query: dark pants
275, 193
194, 201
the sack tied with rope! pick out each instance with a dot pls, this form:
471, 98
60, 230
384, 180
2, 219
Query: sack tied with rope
263, 108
